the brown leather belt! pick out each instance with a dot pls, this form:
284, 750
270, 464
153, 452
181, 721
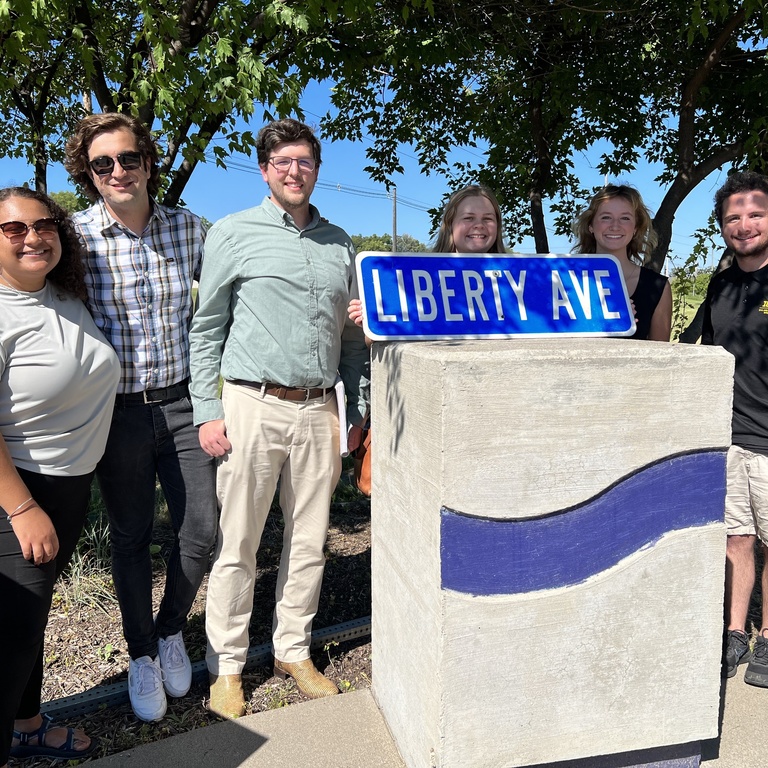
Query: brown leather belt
294, 394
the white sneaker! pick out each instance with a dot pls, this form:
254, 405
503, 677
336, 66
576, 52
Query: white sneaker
177, 670
145, 688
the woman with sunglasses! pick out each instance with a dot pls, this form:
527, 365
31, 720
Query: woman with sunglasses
58, 378
616, 221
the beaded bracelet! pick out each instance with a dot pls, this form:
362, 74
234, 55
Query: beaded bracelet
18, 511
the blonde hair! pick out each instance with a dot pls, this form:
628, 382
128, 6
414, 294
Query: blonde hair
644, 240
444, 242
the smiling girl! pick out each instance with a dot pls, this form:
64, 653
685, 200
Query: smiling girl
471, 223
617, 222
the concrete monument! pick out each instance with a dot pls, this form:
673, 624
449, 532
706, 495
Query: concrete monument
548, 550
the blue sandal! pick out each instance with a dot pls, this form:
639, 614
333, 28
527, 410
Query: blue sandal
65, 752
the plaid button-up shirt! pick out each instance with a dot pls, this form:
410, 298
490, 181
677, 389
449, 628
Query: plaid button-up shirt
140, 290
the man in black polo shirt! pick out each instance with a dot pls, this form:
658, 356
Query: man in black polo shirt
736, 318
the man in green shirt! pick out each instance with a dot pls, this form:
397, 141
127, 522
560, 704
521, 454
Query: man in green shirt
272, 322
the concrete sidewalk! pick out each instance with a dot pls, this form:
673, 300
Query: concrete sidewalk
348, 731
344, 731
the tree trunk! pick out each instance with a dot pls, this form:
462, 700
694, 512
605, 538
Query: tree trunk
181, 176
539, 229
41, 166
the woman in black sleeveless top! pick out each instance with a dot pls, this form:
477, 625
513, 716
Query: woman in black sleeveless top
617, 222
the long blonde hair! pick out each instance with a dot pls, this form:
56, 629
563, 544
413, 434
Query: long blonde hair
444, 242
644, 240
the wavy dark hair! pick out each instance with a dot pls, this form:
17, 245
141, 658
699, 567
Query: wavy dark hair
644, 240
738, 183
79, 143
69, 273
282, 132
444, 242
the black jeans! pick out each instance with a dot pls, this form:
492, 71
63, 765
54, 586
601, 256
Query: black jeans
148, 442
26, 590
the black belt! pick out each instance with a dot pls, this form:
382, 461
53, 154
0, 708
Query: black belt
295, 394
152, 396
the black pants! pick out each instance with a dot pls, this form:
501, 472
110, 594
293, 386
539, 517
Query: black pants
26, 590
149, 443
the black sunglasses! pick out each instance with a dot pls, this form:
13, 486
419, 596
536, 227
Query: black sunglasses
43, 228
104, 164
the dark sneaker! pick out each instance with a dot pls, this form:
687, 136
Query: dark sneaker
757, 671
736, 651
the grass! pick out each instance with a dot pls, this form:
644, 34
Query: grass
88, 579
684, 309
690, 306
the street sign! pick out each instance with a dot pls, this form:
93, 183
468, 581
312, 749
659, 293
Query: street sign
479, 296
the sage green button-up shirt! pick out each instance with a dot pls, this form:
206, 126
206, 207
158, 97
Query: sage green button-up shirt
273, 308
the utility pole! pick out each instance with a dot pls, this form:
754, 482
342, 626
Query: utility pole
394, 219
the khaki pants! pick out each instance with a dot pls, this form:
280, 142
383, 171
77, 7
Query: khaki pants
271, 439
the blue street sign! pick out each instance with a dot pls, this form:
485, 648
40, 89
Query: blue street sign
449, 295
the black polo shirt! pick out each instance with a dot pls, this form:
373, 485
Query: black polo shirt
736, 318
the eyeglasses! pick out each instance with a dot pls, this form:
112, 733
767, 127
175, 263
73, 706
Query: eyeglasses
43, 227
284, 164
104, 164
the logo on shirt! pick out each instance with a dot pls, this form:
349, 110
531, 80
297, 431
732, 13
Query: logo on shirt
764, 307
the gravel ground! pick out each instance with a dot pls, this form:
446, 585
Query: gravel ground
85, 646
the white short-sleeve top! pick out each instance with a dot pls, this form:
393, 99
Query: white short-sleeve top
58, 378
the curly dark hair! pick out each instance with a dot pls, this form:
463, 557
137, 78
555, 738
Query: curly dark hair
735, 184
78, 144
281, 132
69, 273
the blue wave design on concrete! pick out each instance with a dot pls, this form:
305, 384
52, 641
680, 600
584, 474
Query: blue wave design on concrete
482, 556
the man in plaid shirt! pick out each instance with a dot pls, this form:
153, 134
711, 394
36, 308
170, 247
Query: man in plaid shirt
141, 260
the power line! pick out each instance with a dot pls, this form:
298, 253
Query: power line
335, 186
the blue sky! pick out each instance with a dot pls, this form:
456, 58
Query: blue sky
346, 195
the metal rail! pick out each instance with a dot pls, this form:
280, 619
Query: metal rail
72, 707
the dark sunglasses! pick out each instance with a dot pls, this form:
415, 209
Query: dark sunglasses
103, 164
43, 227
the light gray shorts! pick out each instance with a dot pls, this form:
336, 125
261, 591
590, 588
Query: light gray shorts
746, 500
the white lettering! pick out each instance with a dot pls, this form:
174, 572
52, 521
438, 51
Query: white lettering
560, 298
518, 288
442, 276
424, 294
403, 296
474, 294
582, 291
602, 292
494, 276
379, 299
